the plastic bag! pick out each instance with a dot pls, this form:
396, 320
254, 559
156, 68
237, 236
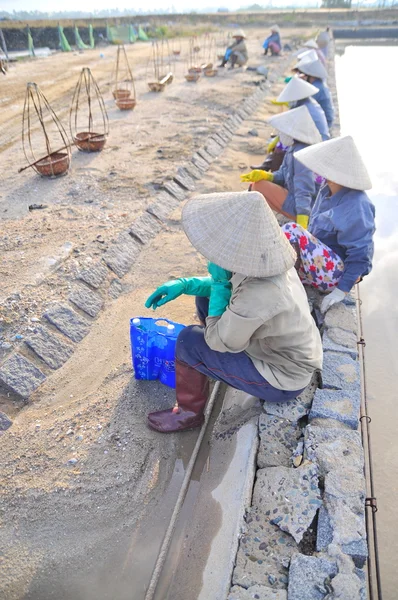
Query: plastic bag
153, 344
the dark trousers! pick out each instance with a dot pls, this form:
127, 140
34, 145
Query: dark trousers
237, 370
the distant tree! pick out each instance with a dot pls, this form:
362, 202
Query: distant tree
336, 3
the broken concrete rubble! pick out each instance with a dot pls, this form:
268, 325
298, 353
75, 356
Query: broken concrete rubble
310, 577
278, 439
259, 592
332, 446
290, 497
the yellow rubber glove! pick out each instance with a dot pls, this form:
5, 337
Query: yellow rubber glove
302, 220
271, 145
275, 101
257, 175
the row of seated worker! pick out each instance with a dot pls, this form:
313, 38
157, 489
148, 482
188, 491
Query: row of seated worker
307, 224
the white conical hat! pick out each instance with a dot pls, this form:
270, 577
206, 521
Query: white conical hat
297, 89
311, 44
275, 28
300, 52
308, 56
239, 232
313, 68
239, 33
337, 160
297, 123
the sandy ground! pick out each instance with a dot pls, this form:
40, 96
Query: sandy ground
75, 530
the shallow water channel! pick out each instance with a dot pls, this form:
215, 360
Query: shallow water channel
367, 91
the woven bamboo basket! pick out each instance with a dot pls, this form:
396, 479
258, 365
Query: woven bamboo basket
90, 141
194, 77
121, 94
53, 165
126, 103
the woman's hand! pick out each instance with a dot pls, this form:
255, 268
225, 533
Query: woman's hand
332, 298
192, 286
165, 293
257, 175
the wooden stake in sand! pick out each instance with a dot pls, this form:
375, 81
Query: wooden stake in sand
88, 119
43, 135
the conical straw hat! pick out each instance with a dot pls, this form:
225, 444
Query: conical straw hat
275, 28
239, 33
313, 68
297, 89
300, 52
337, 160
238, 232
308, 56
297, 123
311, 44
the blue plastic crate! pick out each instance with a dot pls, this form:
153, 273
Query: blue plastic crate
153, 348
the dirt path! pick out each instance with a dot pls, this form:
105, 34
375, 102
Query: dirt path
82, 472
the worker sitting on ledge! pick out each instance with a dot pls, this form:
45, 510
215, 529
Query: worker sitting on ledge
313, 72
312, 45
301, 93
236, 53
273, 42
297, 92
257, 333
336, 252
292, 189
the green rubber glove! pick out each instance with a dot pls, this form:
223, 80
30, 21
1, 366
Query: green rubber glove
221, 290
192, 286
287, 79
218, 273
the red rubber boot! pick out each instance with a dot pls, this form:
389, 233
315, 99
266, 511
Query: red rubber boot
192, 391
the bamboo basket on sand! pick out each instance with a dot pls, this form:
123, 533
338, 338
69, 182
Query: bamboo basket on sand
45, 142
88, 119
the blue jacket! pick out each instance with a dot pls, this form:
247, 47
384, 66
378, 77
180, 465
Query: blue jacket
324, 98
299, 182
317, 114
274, 37
346, 223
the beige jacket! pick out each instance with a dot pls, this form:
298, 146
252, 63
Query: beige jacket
270, 320
240, 49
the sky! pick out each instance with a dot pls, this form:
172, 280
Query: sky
179, 5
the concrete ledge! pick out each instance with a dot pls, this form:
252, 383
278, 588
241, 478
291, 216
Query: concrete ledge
218, 512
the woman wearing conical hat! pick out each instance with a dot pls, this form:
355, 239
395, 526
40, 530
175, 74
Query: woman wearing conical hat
314, 73
291, 190
296, 93
236, 53
273, 42
336, 252
312, 45
257, 333
301, 93
323, 41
